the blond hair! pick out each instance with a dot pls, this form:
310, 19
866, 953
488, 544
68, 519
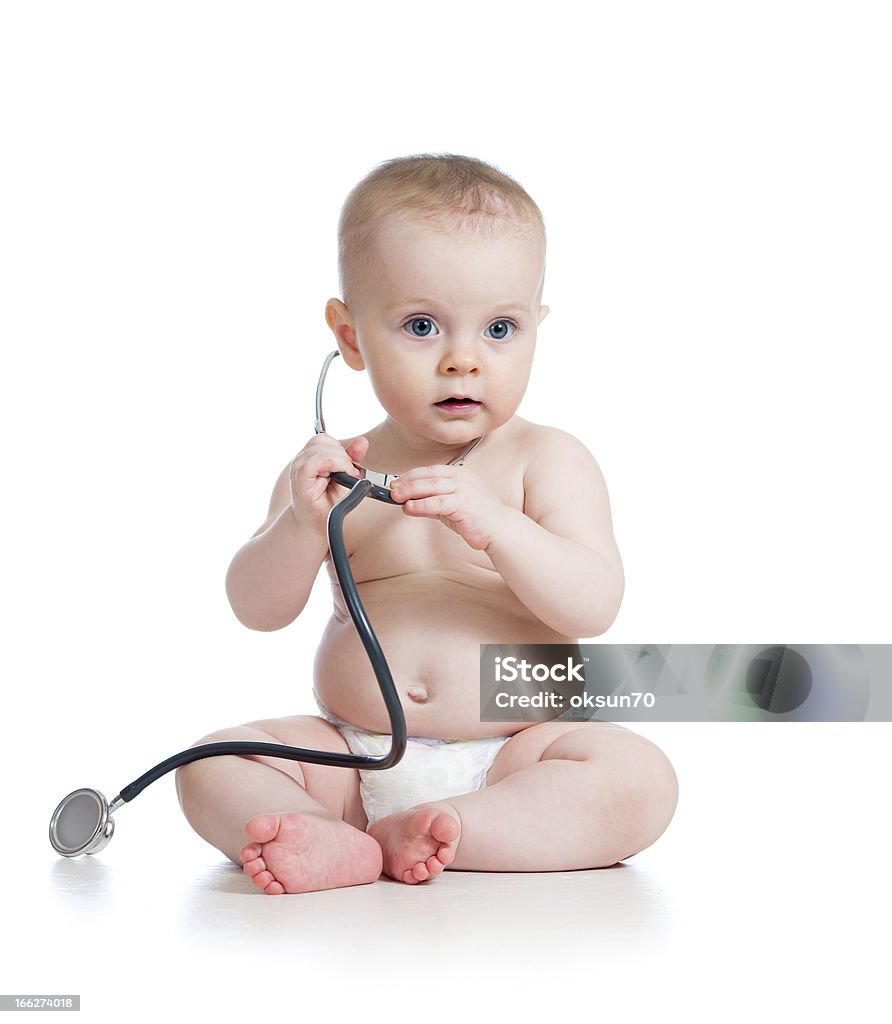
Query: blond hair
438, 187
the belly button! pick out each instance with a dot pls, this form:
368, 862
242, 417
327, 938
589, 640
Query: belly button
417, 693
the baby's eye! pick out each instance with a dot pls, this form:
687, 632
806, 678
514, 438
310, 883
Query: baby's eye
425, 327
499, 328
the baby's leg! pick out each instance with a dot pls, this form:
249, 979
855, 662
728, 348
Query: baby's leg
304, 823
567, 795
559, 796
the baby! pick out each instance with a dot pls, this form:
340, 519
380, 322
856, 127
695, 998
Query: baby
442, 263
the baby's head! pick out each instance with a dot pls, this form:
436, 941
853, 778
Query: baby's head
442, 265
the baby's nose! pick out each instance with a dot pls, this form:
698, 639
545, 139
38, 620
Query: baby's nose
461, 359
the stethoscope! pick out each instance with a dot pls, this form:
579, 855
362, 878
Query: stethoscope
83, 823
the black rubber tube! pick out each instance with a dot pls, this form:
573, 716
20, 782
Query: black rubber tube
335, 528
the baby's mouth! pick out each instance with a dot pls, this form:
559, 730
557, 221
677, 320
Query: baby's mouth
458, 403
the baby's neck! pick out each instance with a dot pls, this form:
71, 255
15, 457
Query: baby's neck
402, 450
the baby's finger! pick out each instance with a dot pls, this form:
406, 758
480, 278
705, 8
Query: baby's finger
435, 505
325, 444
342, 464
325, 465
403, 489
357, 448
428, 472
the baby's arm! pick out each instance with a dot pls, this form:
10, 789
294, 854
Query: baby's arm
558, 555
271, 576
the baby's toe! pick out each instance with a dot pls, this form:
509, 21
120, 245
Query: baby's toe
263, 828
263, 879
434, 866
445, 855
444, 828
254, 867
249, 852
274, 888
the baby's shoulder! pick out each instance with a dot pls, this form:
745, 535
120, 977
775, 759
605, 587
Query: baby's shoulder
553, 462
542, 443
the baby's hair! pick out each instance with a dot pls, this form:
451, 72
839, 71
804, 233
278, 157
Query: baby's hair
456, 191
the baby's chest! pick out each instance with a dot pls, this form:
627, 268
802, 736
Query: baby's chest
384, 541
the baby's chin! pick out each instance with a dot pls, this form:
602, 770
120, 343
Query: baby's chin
452, 432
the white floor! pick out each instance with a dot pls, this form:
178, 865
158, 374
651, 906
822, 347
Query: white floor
768, 896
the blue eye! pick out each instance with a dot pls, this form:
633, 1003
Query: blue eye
499, 326
424, 327
427, 327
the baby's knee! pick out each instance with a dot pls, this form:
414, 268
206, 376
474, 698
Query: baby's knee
651, 797
189, 777
663, 783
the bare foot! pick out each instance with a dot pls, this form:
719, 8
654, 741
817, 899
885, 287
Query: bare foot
294, 852
418, 843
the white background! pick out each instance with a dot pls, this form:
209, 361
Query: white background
714, 180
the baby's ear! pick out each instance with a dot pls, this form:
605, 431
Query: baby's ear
339, 319
543, 313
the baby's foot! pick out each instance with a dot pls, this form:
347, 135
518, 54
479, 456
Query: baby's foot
418, 843
294, 852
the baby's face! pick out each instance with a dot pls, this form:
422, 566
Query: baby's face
446, 314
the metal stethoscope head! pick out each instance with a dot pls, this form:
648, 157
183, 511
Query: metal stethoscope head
83, 823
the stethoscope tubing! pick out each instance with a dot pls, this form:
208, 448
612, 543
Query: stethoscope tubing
359, 489
73, 828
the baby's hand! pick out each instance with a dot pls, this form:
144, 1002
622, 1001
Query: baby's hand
311, 496
456, 496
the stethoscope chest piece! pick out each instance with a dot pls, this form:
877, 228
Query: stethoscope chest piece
82, 823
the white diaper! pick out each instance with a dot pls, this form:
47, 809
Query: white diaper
430, 769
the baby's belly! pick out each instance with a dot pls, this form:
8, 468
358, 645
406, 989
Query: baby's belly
430, 631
